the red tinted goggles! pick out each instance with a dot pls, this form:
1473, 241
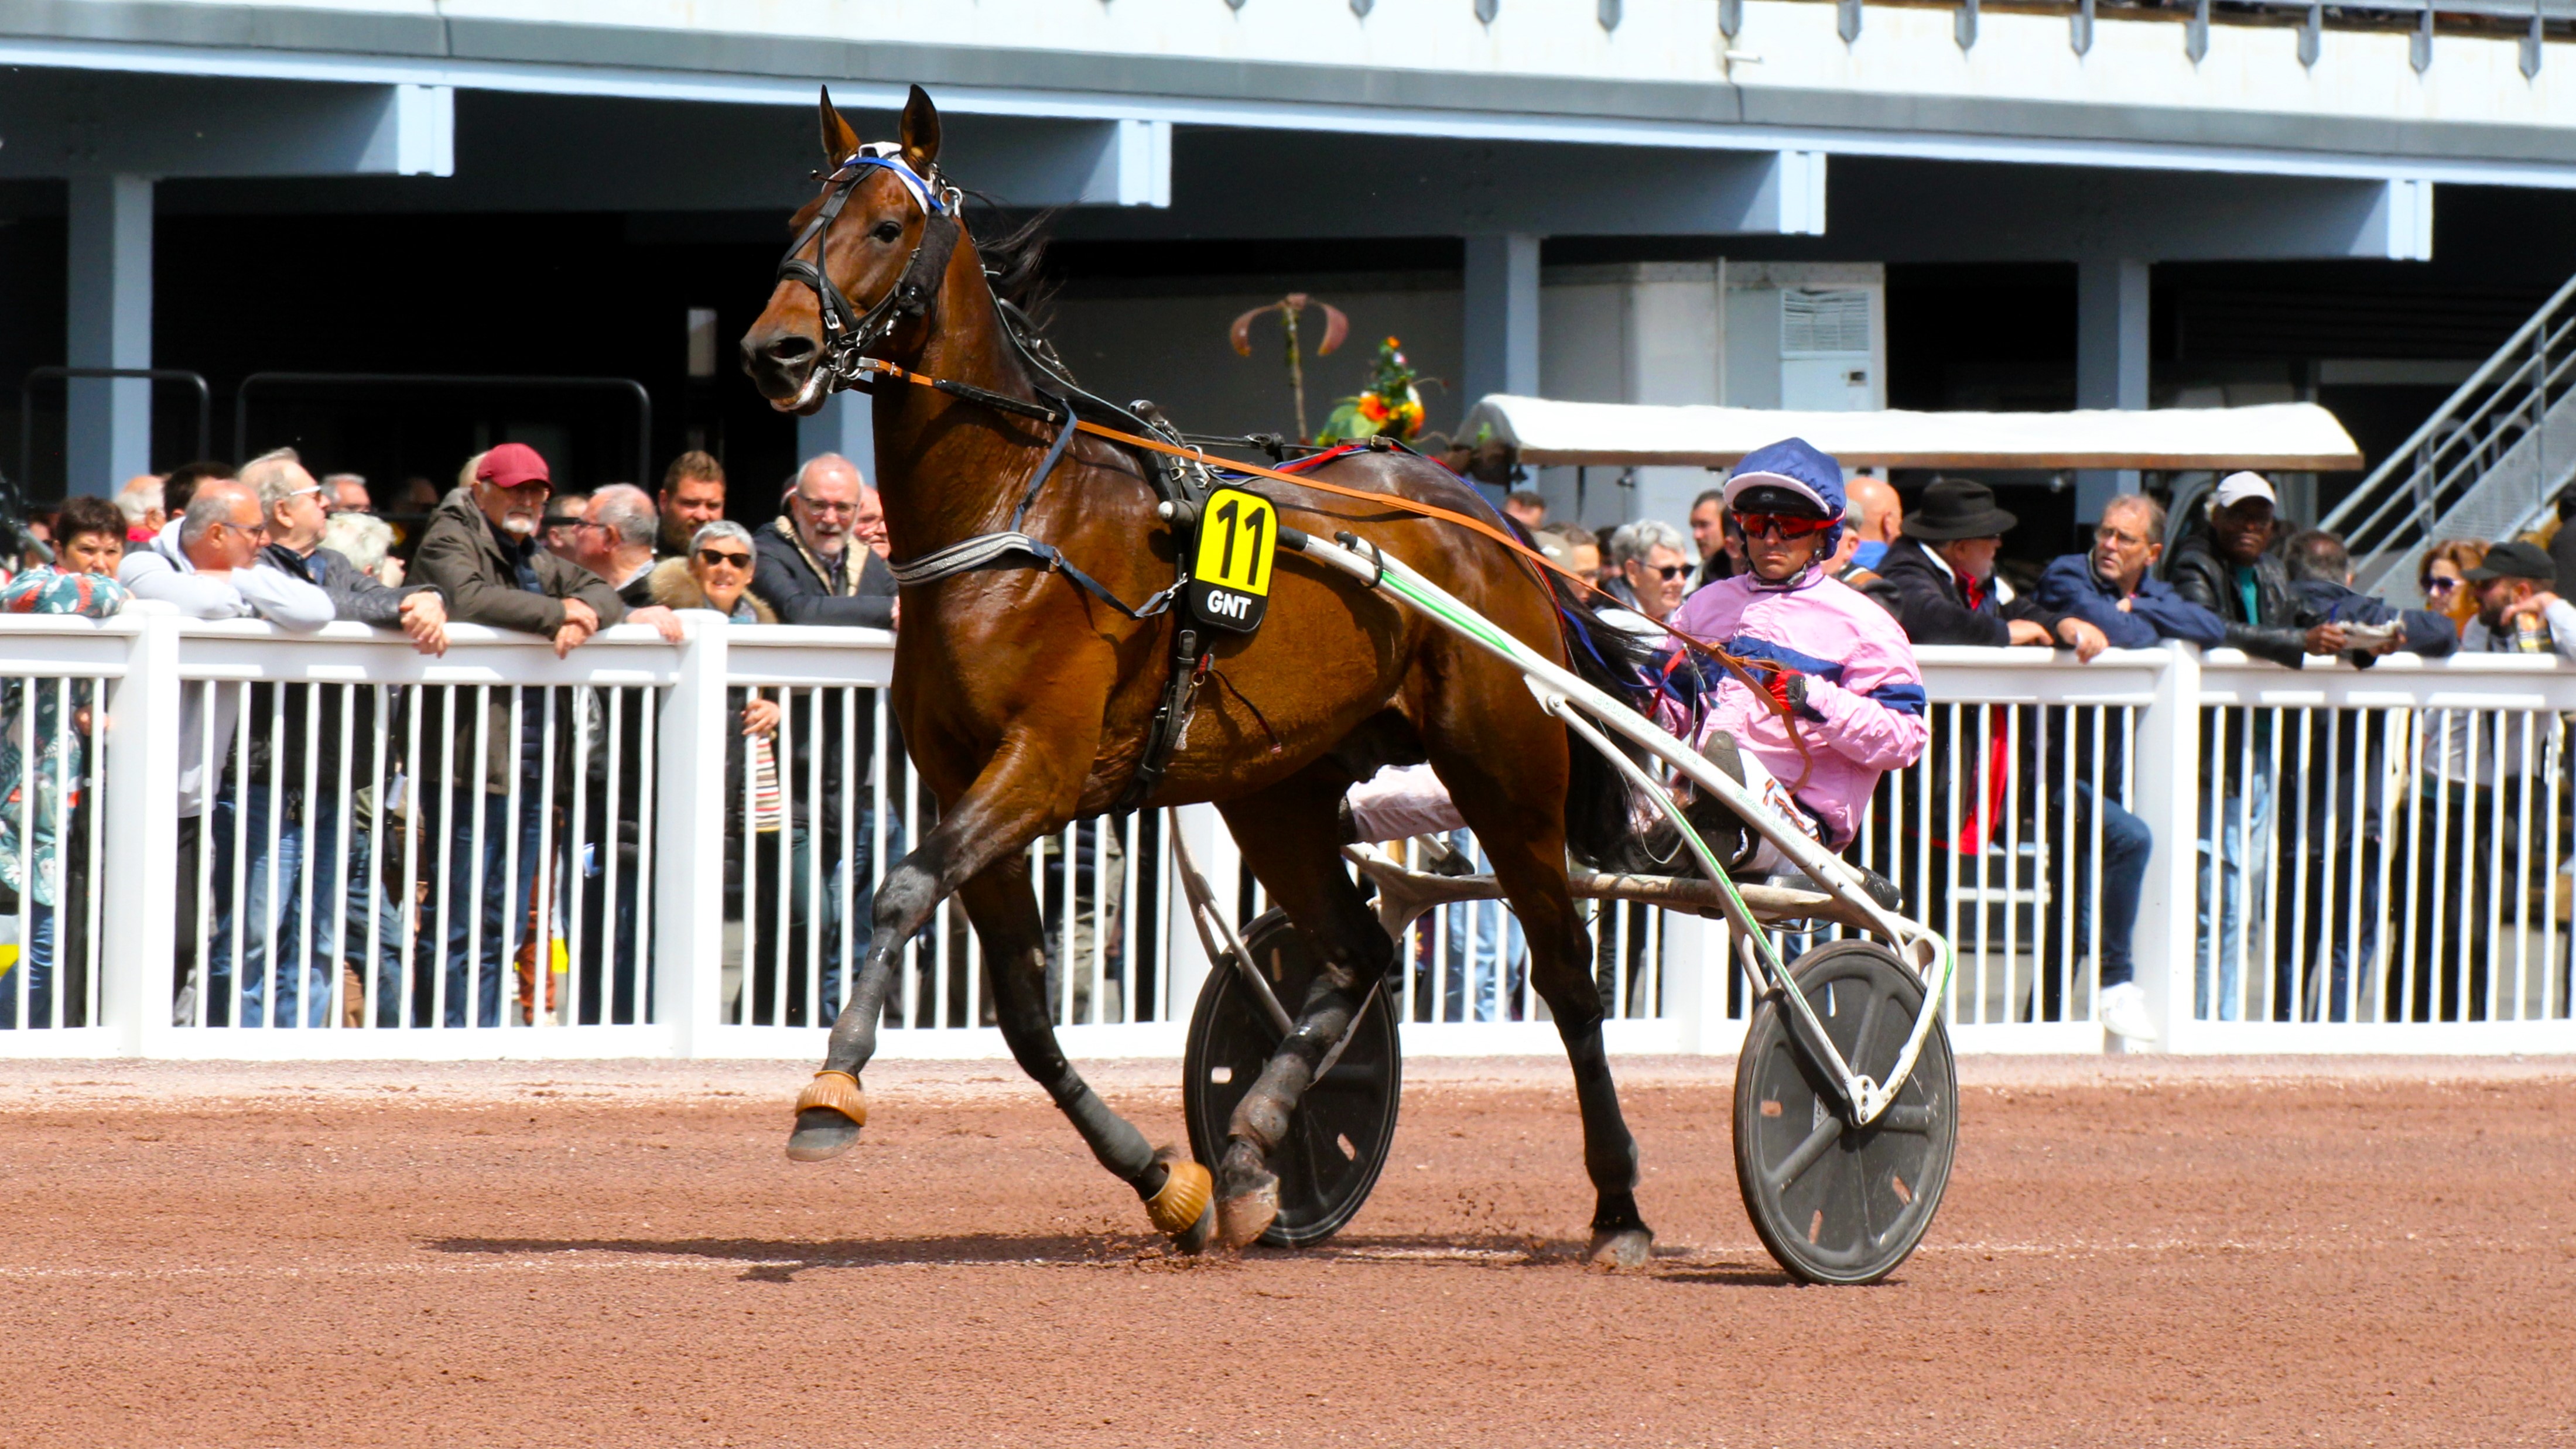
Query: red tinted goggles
1762, 525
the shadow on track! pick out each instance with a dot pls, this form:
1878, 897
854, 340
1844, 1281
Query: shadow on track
779, 1260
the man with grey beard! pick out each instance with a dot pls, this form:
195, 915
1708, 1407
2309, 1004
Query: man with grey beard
809, 571
481, 551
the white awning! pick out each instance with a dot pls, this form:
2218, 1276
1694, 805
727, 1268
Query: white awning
2278, 436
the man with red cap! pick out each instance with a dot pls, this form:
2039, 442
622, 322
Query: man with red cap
481, 551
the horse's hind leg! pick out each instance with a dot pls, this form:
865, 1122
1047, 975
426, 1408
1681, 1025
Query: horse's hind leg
1289, 836
1007, 920
1524, 838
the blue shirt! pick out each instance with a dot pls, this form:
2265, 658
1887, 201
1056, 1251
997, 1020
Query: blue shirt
1868, 555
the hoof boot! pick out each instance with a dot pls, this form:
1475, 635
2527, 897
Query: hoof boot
1182, 1204
1620, 1250
1244, 1217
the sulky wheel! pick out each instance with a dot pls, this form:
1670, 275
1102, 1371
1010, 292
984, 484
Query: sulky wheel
1346, 1123
1835, 1205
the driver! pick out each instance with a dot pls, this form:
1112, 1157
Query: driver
1849, 680
1839, 664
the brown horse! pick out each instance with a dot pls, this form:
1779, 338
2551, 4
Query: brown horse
1026, 701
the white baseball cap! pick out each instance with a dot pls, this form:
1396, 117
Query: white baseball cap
2235, 488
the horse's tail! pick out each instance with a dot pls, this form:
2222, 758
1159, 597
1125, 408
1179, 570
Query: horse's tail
1598, 827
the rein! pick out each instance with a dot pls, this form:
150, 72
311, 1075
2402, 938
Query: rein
848, 334
992, 545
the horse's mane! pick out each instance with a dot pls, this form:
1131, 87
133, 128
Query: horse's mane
1014, 260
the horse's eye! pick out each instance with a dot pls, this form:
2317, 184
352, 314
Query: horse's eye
888, 231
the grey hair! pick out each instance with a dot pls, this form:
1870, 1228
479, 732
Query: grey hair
210, 507
2155, 513
138, 497
627, 511
1855, 515
1636, 540
267, 476
796, 481
721, 528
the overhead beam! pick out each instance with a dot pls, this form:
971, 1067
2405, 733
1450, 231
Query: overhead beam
64, 123
1935, 211
557, 153
1232, 183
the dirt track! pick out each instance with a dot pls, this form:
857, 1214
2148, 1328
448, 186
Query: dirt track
2311, 1253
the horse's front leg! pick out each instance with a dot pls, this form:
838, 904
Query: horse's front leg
1022, 793
1004, 908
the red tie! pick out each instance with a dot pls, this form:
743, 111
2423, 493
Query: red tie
1973, 590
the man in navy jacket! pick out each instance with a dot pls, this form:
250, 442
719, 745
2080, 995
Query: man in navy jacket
2113, 587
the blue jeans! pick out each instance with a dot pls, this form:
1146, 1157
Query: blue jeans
1483, 984
308, 841
2126, 844
484, 900
2235, 863
35, 968
268, 911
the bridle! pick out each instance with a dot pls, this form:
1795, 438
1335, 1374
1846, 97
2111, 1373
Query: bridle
847, 332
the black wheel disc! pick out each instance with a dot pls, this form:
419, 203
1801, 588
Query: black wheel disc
1343, 1129
1836, 1204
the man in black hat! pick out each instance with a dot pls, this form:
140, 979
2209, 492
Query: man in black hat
2518, 613
1939, 578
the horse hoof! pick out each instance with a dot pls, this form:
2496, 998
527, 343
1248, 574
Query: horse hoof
1181, 1211
1244, 1217
820, 1134
1195, 1240
829, 1113
1620, 1251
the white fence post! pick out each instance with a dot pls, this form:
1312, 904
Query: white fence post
140, 851
2167, 771
689, 840
1696, 952
1212, 848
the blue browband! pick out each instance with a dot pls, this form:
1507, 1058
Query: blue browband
921, 190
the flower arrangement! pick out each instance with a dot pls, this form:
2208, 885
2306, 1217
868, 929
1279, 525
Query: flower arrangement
1391, 407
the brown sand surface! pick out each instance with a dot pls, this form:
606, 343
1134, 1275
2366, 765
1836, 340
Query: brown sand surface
2133, 1251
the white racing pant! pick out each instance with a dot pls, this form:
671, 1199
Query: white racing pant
1409, 800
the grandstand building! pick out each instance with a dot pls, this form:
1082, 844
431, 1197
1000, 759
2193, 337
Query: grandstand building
1796, 203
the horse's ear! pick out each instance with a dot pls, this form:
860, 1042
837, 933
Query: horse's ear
920, 131
838, 139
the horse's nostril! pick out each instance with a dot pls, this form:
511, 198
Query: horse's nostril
791, 348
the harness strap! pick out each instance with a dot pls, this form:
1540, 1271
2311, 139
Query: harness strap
1742, 669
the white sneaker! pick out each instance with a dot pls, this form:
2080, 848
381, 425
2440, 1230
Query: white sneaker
2124, 1012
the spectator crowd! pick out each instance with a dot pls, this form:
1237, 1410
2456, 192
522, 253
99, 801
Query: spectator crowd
516, 810
507, 818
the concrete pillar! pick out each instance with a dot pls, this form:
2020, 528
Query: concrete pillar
1501, 332
2110, 361
845, 424
108, 424
1502, 317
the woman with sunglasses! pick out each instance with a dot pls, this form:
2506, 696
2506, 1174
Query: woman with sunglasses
2442, 577
714, 574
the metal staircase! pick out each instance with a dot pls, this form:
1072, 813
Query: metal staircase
2486, 465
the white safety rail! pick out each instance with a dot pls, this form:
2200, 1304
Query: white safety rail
499, 853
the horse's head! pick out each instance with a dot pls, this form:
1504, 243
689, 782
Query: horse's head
869, 254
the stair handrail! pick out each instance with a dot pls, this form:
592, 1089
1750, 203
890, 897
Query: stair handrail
2410, 453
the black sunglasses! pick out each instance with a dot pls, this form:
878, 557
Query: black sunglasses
712, 557
2436, 584
1670, 571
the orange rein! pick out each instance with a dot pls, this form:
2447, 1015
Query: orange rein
1739, 667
